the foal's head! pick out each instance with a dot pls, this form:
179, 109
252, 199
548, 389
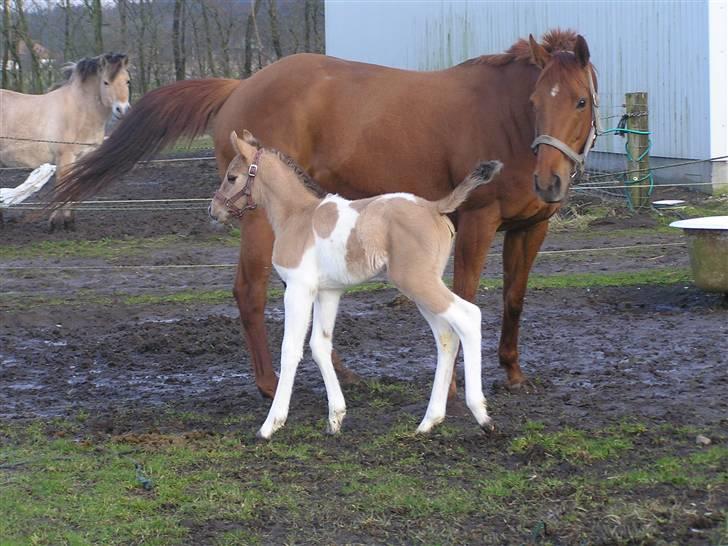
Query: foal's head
564, 102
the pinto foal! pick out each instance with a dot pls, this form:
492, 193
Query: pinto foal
323, 246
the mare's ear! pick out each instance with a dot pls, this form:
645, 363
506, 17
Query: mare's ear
102, 61
250, 139
125, 60
581, 51
539, 56
241, 147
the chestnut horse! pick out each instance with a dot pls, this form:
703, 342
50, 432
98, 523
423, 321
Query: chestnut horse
362, 130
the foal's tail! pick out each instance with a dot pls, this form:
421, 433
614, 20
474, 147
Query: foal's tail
483, 174
158, 119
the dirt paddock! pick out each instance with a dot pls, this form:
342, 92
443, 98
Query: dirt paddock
84, 333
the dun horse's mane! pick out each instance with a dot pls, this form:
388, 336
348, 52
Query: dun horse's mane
553, 41
90, 66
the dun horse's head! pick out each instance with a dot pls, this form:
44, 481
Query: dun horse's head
565, 106
237, 194
113, 72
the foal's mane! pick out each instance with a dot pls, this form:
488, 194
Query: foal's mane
553, 41
308, 182
90, 66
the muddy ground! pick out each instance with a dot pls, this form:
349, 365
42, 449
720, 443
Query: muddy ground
72, 341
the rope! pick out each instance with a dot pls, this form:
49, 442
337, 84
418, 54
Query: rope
226, 265
50, 141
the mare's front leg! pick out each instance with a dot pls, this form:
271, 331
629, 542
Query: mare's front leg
519, 252
251, 292
475, 233
298, 300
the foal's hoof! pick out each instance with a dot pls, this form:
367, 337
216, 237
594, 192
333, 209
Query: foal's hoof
262, 437
488, 426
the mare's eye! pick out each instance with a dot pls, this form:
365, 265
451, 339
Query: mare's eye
581, 104
232, 178
106, 83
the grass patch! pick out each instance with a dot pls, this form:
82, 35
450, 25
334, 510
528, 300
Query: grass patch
107, 248
374, 484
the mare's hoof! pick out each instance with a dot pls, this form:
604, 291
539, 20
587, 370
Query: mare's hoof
522, 387
267, 390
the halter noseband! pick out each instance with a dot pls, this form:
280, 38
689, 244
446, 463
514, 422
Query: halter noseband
229, 202
578, 159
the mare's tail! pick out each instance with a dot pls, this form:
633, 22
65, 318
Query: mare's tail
158, 119
483, 174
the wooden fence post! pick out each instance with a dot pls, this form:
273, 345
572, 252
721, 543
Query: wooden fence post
638, 157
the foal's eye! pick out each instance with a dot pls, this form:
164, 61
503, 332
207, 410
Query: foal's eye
231, 178
581, 104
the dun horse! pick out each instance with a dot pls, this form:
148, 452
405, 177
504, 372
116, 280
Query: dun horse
363, 130
58, 127
324, 245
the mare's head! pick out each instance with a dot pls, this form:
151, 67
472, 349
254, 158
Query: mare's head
110, 76
564, 103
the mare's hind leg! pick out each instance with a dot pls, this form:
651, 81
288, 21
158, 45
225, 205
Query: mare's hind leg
298, 300
447, 350
324, 317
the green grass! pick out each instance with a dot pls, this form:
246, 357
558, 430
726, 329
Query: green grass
385, 485
106, 248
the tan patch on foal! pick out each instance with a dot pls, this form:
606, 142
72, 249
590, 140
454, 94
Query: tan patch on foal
295, 239
324, 219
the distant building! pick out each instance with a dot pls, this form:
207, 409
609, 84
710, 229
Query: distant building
676, 51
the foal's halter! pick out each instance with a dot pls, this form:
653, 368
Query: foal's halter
229, 202
578, 159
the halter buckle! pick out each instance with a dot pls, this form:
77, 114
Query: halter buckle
253, 169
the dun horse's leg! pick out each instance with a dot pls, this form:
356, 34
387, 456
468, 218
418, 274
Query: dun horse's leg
298, 301
519, 251
447, 350
251, 292
63, 217
476, 230
324, 317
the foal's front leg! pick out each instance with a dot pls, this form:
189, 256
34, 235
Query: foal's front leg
298, 300
324, 318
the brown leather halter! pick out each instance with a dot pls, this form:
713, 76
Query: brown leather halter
229, 202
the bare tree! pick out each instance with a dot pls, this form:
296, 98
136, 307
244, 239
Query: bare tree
275, 32
250, 33
178, 39
24, 34
208, 40
96, 13
123, 9
6, 44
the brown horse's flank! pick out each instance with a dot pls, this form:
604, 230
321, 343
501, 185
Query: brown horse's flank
352, 126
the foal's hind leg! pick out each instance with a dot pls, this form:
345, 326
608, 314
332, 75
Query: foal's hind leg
298, 300
324, 317
465, 319
447, 350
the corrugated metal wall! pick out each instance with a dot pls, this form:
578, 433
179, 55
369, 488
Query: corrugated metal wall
661, 47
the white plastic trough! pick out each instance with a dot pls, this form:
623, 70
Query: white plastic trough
708, 247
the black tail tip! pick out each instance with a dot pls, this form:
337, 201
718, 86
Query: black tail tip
486, 170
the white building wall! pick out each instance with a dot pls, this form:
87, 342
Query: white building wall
675, 50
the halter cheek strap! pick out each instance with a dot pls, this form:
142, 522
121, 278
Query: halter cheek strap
247, 190
579, 160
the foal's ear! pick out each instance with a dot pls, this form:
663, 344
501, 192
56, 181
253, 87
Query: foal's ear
250, 139
539, 56
241, 147
581, 51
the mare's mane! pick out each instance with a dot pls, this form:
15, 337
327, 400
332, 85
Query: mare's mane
554, 41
